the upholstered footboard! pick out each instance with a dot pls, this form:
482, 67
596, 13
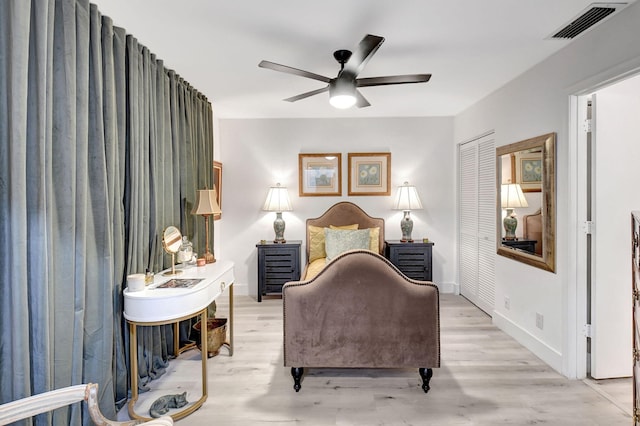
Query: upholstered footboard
361, 312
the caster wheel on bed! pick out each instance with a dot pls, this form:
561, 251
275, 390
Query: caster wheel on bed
296, 372
425, 374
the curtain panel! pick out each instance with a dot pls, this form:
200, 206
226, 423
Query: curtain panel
101, 148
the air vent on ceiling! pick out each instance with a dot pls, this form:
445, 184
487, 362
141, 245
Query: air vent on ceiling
593, 14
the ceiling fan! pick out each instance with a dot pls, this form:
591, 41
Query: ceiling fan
343, 89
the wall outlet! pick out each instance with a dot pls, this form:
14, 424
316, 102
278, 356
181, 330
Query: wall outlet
507, 302
539, 320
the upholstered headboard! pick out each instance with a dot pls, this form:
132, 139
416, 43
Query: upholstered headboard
346, 213
532, 229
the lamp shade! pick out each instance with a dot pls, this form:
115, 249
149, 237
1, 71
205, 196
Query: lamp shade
277, 199
407, 198
511, 196
206, 203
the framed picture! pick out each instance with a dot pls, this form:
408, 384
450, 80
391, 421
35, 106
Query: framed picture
370, 173
528, 171
320, 174
217, 184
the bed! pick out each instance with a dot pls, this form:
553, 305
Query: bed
358, 310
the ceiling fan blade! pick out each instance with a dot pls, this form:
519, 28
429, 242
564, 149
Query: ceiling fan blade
306, 94
394, 79
361, 101
294, 71
359, 58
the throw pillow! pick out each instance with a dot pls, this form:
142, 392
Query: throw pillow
316, 243
374, 235
338, 241
316, 240
354, 226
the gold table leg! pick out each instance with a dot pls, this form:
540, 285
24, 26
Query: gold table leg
133, 355
231, 320
229, 342
133, 352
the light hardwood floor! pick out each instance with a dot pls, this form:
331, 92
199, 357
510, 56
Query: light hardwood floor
486, 378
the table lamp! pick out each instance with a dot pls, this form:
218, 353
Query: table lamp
206, 205
278, 201
511, 196
407, 200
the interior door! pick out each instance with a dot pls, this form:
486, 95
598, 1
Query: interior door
477, 221
615, 150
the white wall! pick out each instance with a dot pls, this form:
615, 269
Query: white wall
535, 103
261, 152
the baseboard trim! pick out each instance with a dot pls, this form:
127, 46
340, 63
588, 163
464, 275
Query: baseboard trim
448, 288
529, 341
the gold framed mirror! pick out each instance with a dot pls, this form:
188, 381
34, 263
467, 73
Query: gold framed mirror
171, 242
526, 201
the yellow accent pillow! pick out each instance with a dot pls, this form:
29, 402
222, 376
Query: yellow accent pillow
314, 268
374, 236
316, 243
316, 240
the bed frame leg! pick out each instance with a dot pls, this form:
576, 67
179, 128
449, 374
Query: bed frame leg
425, 374
296, 372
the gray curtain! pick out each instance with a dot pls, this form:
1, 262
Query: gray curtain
101, 148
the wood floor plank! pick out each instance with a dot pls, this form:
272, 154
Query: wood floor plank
486, 378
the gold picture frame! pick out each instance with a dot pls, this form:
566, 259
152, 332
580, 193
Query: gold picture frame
506, 156
320, 174
217, 184
528, 170
369, 173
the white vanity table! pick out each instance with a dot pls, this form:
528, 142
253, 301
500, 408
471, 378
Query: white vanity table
159, 306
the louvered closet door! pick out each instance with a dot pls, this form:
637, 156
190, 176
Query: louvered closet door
477, 221
468, 219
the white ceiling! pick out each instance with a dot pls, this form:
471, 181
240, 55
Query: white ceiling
470, 47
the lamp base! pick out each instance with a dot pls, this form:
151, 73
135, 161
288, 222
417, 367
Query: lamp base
510, 224
406, 226
209, 258
278, 227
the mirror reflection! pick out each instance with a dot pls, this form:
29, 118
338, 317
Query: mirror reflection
171, 242
526, 202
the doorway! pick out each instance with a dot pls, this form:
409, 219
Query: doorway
607, 152
612, 153
615, 148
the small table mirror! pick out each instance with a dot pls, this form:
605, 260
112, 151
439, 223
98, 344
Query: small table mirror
171, 241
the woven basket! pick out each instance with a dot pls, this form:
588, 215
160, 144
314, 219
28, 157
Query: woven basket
216, 335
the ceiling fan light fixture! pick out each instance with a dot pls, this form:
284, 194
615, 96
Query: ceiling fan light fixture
343, 89
342, 101
342, 93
